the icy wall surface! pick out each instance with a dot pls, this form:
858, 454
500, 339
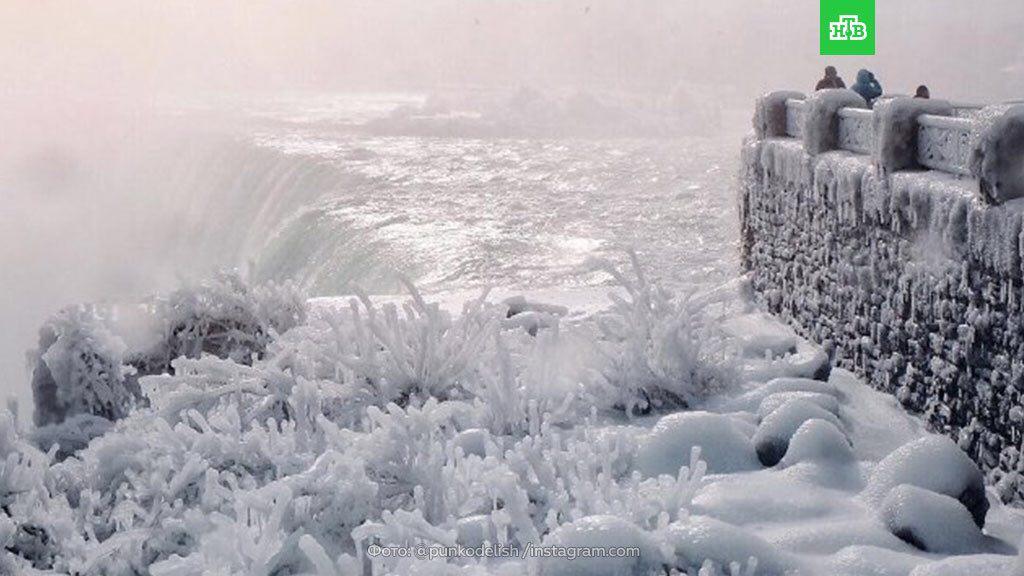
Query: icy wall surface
910, 278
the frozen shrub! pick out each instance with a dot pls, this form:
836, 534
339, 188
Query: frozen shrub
225, 317
83, 365
419, 353
79, 368
661, 352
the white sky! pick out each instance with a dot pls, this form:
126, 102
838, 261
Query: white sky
963, 48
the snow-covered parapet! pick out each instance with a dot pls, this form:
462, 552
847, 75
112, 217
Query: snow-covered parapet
821, 118
896, 130
998, 154
770, 114
983, 145
912, 277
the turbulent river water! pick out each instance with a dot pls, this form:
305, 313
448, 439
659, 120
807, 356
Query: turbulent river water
333, 191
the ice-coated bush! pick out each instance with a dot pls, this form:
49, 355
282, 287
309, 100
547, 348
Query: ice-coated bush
85, 367
262, 440
226, 317
80, 368
661, 351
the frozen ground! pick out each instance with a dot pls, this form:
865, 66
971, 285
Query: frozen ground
677, 421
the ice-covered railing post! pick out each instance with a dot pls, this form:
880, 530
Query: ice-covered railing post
888, 236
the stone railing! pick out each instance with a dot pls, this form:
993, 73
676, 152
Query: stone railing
930, 134
944, 143
794, 117
885, 235
856, 130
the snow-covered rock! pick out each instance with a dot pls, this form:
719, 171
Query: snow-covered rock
724, 447
930, 521
975, 565
821, 118
605, 532
771, 403
760, 335
699, 539
771, 441
752, 400
871, 561
818, 441
933, 463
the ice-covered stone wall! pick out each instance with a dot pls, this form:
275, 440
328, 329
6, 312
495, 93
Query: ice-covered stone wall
910, 276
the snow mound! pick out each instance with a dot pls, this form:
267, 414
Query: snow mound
871, 561
752, 400
818, 441
531, 316
978, 565
604, 532
934, 463
759, 335
724, 447
821, 118
773, 402
929, 521
700, 539
771, 441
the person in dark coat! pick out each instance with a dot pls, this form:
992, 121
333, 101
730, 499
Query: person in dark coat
831, 79
922, 92
867, 86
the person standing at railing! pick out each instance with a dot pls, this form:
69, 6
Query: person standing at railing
867, 86
831, 80
922, 92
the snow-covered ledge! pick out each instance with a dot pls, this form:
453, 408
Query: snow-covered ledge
981, 144
896, 242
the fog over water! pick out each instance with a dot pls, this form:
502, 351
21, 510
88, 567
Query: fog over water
144, 143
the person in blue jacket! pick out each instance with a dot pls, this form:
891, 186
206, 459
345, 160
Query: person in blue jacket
867, 86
